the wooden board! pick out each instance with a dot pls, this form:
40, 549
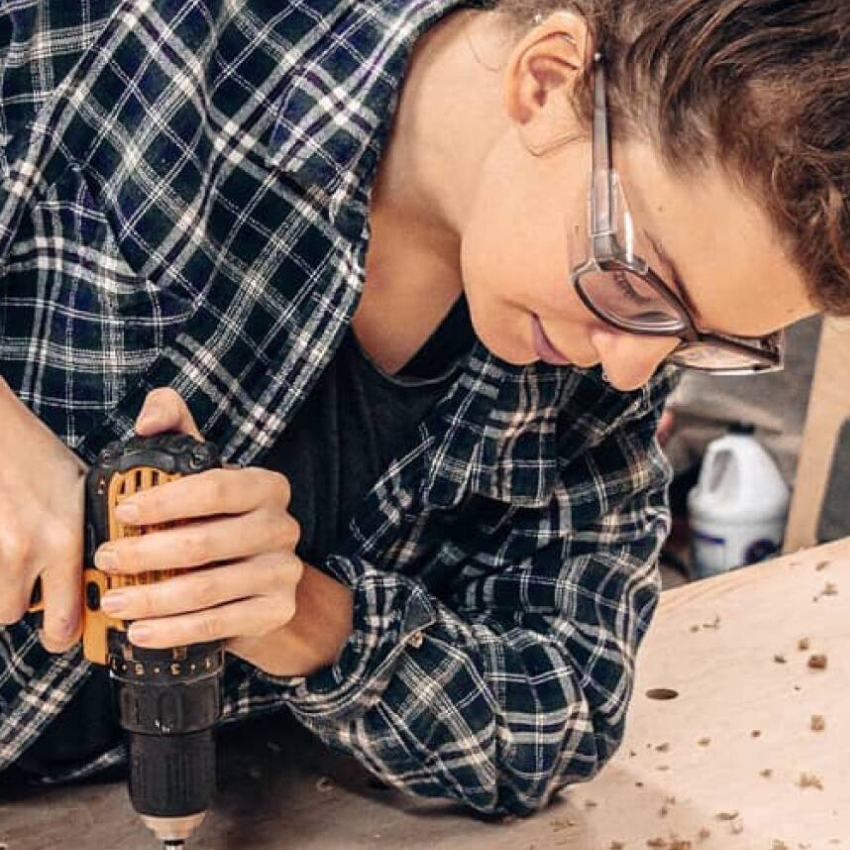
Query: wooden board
829, 406
713, 642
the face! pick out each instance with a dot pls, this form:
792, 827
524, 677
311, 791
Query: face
527, 229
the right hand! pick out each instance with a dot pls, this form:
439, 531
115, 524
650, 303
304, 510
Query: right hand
41, 533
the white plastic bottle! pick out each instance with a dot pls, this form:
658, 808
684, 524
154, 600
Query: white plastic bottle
738, 508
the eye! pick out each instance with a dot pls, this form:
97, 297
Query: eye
624, 284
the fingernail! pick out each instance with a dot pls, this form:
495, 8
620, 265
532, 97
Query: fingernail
139, 633
113, 602
127, 512
106, 559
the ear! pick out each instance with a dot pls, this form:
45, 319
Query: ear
546, 61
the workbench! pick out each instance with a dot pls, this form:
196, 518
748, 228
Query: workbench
730, 759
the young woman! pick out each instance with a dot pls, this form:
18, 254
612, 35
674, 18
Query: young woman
419, 267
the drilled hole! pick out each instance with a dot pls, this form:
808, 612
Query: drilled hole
662, 693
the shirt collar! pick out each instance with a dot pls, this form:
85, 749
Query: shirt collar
335, 112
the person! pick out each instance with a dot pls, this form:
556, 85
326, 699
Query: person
424, 271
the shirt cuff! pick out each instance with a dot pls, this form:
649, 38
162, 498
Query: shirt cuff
389, 612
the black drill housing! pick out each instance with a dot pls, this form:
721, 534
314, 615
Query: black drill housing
168, 701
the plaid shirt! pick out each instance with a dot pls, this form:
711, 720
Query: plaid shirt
184, 202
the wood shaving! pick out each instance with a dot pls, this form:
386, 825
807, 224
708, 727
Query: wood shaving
704, 742
818, 723
809, 780
713, 625
766, 773
726, 815
818, 661
779, 659
803, 644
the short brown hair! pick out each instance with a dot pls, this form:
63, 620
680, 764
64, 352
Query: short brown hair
761, 87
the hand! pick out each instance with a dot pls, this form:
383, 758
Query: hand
42, 485
236, 550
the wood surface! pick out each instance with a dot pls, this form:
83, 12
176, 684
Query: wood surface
728, 646
829, 406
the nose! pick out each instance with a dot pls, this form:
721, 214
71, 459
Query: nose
630, 360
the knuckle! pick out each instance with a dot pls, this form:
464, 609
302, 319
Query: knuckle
209, 627
281, 489
194, 546
15, 547
206, 591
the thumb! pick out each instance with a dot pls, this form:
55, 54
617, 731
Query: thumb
163, 410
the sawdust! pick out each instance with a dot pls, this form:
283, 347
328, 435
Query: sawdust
821, 565
727, 815
818, 723
766, 773
779, 658
756, 733
617, 845
704, 742
663, 748
818, 661
809, 780
803, 644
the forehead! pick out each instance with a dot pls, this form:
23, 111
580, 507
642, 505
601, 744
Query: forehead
724, 246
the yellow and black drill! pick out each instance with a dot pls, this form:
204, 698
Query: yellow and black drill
167, 701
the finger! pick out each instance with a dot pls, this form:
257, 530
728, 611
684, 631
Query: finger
211, 493
265, 575
248, 617
164, 410
62, 595
199, 543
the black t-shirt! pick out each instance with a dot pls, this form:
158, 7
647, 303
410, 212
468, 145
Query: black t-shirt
354, 422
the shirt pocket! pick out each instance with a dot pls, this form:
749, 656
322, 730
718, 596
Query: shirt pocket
80, 322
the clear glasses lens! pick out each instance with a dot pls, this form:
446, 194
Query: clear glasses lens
718, 358
630, 302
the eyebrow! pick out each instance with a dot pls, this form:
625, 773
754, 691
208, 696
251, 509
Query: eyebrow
678, 280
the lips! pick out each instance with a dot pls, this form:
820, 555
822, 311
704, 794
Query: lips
544, 348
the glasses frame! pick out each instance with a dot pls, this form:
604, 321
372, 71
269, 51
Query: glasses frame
607, 254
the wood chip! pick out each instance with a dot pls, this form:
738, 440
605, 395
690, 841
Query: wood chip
779, 659
818, 661
727, 815
756, 733
822, 565
818, 723
663, 748
809, 780
639, 784
766, 773
803, 644
704, 742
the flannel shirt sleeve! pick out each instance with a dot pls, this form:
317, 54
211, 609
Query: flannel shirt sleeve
518, 683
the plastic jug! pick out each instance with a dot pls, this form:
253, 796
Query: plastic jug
739, 506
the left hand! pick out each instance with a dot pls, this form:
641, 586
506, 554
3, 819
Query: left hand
237, 549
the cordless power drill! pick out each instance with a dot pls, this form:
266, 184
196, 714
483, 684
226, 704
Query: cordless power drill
167, 700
